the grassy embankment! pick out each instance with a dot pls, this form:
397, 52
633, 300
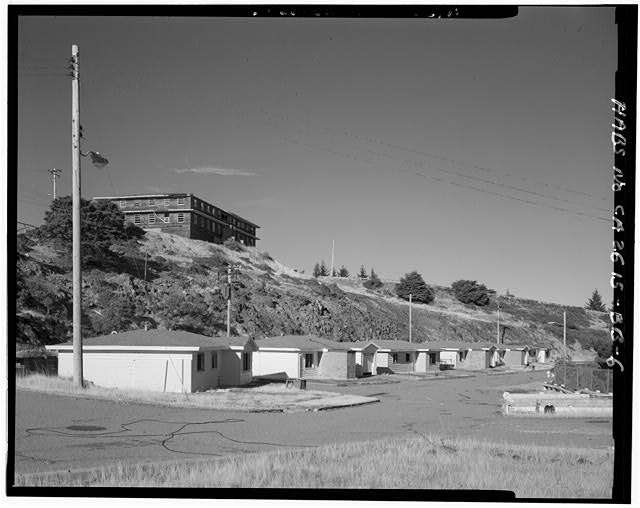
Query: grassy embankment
268, 397
427, 462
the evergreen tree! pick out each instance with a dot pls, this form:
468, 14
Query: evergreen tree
363, 272
324, 271
373, 282
102, 225
343, 272
413, 284
595, 302
469, 291
316, 270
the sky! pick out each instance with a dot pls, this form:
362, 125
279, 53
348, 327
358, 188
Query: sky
460, 148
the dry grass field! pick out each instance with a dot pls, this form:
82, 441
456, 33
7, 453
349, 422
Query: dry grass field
270, 397
420, 462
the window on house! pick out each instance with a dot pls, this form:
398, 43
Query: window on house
137, 202
180, 217
137, 219
214, 360
152, 218
407, 357
167, 218
167, 201
200, 362
180, 201
123, 204
432, 358
308, 360
246, 361
394, 357
151, 202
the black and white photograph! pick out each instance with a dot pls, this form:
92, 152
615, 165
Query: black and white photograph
339, 252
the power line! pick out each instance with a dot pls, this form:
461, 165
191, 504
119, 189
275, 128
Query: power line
370, 140
457, 184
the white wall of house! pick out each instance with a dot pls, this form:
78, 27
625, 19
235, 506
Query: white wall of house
421, 362
146, 371
449, 357
282, 364
382, 360
208, 377
232, 371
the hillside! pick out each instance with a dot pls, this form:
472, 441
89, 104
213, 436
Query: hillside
184, 290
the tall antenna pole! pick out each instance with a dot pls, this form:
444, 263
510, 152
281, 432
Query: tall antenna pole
75, 184
333, 246
410, 300
55, 174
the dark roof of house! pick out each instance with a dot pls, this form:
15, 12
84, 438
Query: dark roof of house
398, 345
302, 342
446, 344
160, 338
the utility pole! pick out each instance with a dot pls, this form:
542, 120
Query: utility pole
410, 300
333, 246
564, 344
564, 334
55, 174
75, 184
229, 302
498, 330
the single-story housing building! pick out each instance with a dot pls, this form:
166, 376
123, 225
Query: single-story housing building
161, 360
303, 357
478, 356
443, 354
400, 356
514, 355
540, 354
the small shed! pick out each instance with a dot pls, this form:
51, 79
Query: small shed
401, 356
303, 357
161, 360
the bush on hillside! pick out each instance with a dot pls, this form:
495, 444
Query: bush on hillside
413, 284
469, 291
373, 282
234, 245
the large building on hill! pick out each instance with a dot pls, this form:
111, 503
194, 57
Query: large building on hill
185, 215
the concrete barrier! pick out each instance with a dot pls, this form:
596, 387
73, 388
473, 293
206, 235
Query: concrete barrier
557, 404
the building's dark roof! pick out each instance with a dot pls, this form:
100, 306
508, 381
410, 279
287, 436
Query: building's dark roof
398, 345
160, 338
514, 346
302, 342
447, 344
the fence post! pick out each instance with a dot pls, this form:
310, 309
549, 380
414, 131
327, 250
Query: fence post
577, 377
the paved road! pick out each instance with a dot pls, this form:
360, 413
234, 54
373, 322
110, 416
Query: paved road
54, 433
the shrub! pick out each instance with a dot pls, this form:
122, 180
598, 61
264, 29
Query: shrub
469, 291
234, 245
373, 282
413, 284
